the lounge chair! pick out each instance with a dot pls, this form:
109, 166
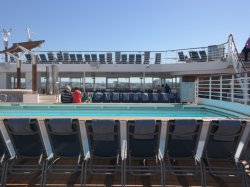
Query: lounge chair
117, 57
180, 149
142, 147
138, 59
59, 56
157, 58
29, 147
28, 58
131, 58
43, 58
181, 56
72, 57
51, 57
87, 58
220, 150
203, 55
124, 59
104, 144
102, 58
98, 97
66, 56
194, 56
65, 139
115, 97
145, 97
79, 57
146, 57
109, 58
107, 97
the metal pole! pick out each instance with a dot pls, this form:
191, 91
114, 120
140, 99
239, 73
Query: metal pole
18, 73
6, 47
34, 73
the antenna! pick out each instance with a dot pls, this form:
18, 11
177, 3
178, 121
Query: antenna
29, 34
6, 35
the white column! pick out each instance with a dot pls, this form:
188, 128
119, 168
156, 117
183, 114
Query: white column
3, 82
28, 80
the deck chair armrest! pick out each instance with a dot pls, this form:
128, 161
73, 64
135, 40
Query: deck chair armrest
49, 157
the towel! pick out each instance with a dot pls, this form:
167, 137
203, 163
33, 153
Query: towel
103, 130
20, 125
227, 128
61, 125
144, 129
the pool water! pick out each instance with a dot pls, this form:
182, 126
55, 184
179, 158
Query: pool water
113, 110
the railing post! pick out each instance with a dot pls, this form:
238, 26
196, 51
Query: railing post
210, 87
245, 91
221, 87
196, 89
232, 88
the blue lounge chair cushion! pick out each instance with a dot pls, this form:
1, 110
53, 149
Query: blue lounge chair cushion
103, 130
227, 129
144, 129
21, 125
63, 125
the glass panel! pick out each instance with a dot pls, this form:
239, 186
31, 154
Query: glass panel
100, 83
123, 83
112, 82
148, 83
76, 82
135, 83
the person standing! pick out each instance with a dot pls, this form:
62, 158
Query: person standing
246, 49
77, 95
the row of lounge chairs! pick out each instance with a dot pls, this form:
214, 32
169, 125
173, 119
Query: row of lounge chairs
137, 97
194, 56
140, 147
120, 58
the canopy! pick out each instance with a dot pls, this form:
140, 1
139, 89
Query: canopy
28, 45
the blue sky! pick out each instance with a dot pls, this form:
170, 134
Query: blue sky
126, 24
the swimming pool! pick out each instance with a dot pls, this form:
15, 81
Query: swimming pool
114, 110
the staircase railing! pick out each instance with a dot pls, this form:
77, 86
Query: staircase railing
239, 67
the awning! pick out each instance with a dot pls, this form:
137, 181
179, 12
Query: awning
27, 45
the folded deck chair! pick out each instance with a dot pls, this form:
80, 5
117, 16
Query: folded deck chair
109, 58
98, 97
59, 56
157, 58
131, 58
145, 97
79, 57
203, 55
181, 143
181, 56
136, 97
28, 58
126, 97
72, 57
87, 58
219, 152
138, 59
66, 56
117, 57
104, 146
142, 147
43, 58
102, 58
51, 56
65, 140
28, 144
194, 56
107, 97
146, 57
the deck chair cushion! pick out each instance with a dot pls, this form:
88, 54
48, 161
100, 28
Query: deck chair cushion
21, 125
144, 129
184, 127
227, 128
103, 130
61, 125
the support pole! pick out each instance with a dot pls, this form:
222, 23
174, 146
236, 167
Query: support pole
34, 73
18, 73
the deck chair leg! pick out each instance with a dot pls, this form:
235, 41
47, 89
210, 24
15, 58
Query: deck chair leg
123, 174
4, 174
44, 173
82, 172
244, 175
203, 174
85, 174
163, 182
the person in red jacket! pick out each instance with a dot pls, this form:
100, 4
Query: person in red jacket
77, 95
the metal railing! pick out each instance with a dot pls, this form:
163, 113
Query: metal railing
224, 87
189, 55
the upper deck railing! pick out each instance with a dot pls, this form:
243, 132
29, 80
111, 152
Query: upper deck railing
199, 54
225, 87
